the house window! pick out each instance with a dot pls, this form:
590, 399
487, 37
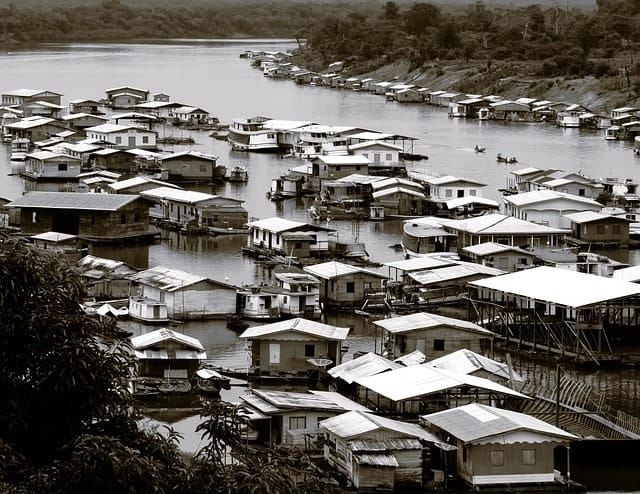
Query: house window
388, 156
600, 229
62, 167
351, 287
309, 350
528, 456
448, 193
123, 218
162, 297
298, 245
581, 192
357, 168
337, 168
93, 219
118, 140
145, 139
472, 192
366, 155
285, 299
438, 345
333, 285
270, 136
203, 168
615, 229
296, 423
460, 193
502, 241
497, 458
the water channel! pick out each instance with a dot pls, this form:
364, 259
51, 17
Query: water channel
209, 74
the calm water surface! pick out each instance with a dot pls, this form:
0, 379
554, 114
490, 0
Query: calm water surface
210, 75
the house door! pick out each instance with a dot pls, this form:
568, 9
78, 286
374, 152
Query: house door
66, 222
420, 345
301, 303
376, 158
274, 353
132, 142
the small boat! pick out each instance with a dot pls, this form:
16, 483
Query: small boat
148, 310
238, 173
210, 381
479, 149
175, 386
19, 149
7, 138
505, 159
235, 322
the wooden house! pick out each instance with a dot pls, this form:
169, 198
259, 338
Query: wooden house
123, 136
138, 184
580, 186
288, 237
43, 109
501, 448
81, 121
21, 97
504, 257
105, 279
126, 96
116, 160
466, 108
548, 207
34, 128
190, 115
298, 294
159, 109
384, 157
365, 365
450, 187
399, 197
417, 389
376, 454
432, 334
291, 418
343, 285
196, 211
94, 217
510, 110
48, 165
464, 207
594, 228
81, 105
186, 295
166, 354
294, 345
192, 166
335, 167
426, 236
408, 95
61, 244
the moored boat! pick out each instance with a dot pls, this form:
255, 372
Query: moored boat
148, 310
210, 382
251, 134
19, 149
238, 173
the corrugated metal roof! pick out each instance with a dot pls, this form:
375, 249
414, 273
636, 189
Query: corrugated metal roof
378, 460
588, 216
353, 424
475, 421
488, 248
448, 179
368, 144
463, 201
544, 195
29, 123
498, 224
358, 178
132, 182
298, 325
275, 224
167, 279
468, 362
449, 273
386, 182
395, 190
560, 286
414, 358
368, 364
109, 128
343, 160
425, 320
423, 380
419, 263
53, 237
340, 400
73, 200
367, 445
334, 269
191, 153
163, 335
631, 274
292, 400
179, 195
526, 171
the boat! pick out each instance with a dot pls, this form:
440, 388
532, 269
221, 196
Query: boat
479, 149
614, 133
257, 302
235, 322
175, 386
484, 113
252, 134
221, 135
219, 173
423, 237
505, 159
238, 173
19, 149
210, 382
7, 138
148, 310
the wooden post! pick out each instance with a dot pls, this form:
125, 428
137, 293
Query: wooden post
558, 395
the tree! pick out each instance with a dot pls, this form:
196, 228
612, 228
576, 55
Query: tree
391, 11
420, 17
66, 421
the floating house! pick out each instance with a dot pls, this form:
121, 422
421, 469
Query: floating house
594, 228
384, 157
81, 121
426, 236
501, 448
192, 166
186, 295
344, 285
34, 128
299, 293
123, 136
21, 97
548, 207
93, 217
82, 105
259, 302
167, 354
294, 345
190, 115
579, 316
377, 454
105, 279
335, 167
399, 197
286, 417
58, 244
126, 96
159, 109
449, 187
431, 334
365, 365
115, 160
138, 184
504, 257
196, 211
288, 237
48, 166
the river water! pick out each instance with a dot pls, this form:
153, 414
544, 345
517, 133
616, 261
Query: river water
209, 74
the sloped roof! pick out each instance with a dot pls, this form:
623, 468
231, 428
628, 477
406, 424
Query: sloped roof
397, 190
368, 364
419, 263
164, 334
278, 401
343, 160
589, 216
53, 237
488, 248
447, 273
335, 269
173, 194
497, 224
368, 144
544, 195
298, 325
73, 200
139, 180
560, 286
468, 362
425, 320
463, 201
353, 424
475, 421
167, 279
449, 179
191, 153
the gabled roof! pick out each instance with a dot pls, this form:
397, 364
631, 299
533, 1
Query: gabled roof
279, 225
138, 180
343, 160
374, 144
475, 422
49, 155
179, 195
29, 123
397, 190
449, 273
73, 200
353, 424
334, 269
191, 153
499, 224
450, 179
272, 401
164, 334
28, 93
466, 200
424, 320
419, 263
468, 362
423, 380
545, 195
589, 216
53, 237
298, 325
489, 248
166, 279
368, 364
76, 116
560, 286
109, 128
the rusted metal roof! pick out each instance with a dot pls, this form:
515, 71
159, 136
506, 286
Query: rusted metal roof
162, 335
167, 279
376, 459
426, 320
368, 364
73, 201
298, 325
468, 362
